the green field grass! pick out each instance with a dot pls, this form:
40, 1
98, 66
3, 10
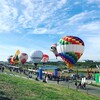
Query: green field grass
14, 88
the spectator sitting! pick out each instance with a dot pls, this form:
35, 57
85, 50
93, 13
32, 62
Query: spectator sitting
44, 80
76, 83
36, 78
79, 85
84, 85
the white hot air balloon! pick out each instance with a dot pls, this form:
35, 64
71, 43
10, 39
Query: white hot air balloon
36, 57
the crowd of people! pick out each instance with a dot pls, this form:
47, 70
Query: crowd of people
46, 76
33, 74
80, 85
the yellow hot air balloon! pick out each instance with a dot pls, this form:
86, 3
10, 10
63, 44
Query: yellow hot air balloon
17, 52
16, 58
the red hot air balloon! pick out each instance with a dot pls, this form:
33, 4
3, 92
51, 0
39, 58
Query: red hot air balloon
10, 60
45, 58
23, 57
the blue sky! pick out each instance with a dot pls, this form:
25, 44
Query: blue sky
36, 24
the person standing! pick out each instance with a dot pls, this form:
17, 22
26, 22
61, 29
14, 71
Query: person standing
46, 79
57, 80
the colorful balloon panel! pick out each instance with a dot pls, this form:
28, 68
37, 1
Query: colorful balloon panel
71, 40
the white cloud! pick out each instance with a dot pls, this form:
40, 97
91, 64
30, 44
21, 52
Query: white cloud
27, 13
30, 14
7, 50
76, 3
39, 30
92, 48
92, 27
63, 1
84, 16
7, 16
93, 1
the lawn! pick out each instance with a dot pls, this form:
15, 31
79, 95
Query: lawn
15, 88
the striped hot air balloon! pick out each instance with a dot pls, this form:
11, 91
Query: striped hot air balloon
70, 49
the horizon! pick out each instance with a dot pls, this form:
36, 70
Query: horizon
28, 25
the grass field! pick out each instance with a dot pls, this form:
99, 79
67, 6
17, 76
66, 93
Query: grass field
14, 88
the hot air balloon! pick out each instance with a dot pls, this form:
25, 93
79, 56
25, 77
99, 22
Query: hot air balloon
45, 58
54, 49
10, 60
23, 58
70, 49
36, 57
14, 59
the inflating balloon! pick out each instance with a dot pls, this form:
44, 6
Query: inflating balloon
14, 59
36, 56
45, 58
10, 60
17, 53
70, 49
54, 49
23, 57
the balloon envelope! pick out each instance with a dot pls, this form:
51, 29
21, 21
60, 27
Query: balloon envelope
45, 58
36, 56
23, 57
10, 60
16, 57
54, 49
70, 49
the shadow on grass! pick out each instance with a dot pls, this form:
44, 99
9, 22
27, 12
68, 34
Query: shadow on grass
2, 93
3, 97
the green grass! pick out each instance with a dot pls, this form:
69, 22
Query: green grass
96, 84
15, 88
